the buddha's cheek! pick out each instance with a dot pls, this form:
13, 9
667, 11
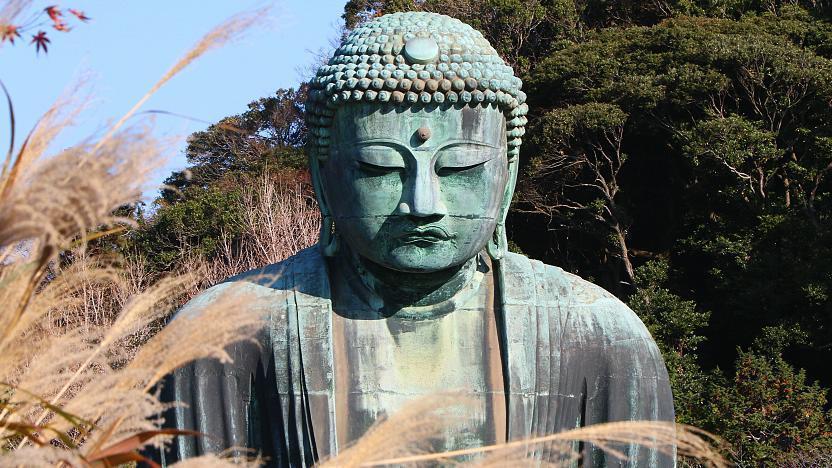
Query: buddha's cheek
361, 207
473, 202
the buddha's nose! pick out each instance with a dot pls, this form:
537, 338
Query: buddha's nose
425, 199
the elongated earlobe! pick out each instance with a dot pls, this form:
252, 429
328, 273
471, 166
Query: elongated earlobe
498, 244
329, 240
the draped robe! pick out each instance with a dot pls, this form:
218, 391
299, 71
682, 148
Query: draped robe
573, 355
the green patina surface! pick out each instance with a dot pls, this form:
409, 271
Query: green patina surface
414, 205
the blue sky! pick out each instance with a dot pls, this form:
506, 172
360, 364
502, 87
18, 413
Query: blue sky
129, 44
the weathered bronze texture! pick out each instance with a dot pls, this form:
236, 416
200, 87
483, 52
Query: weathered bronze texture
411, 291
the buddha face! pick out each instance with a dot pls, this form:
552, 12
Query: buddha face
416, 189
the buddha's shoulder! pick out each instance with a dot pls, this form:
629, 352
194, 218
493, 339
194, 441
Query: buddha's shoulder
575, 302
307, 267
551, 282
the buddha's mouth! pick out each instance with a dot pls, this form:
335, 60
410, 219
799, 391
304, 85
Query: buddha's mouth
425, 235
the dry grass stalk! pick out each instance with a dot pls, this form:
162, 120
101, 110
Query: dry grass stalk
214, 462
665, 437
60, 115
50, 208
54, 353
413, 430
279, 219
401, 440
74, 376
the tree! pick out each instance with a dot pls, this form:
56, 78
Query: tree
726, 169
201, 208
194, 225
726, 182
575, 176
770, 413
271, 133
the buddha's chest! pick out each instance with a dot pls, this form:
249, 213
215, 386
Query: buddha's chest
383, 365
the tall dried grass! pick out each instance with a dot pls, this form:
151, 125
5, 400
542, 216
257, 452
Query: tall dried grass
407, 437
279, 218
74, 383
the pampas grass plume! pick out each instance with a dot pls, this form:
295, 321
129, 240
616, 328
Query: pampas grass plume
77, 360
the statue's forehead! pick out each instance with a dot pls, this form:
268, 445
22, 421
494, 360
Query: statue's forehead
362, 122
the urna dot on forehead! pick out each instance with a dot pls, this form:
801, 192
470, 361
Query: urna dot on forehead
414, 58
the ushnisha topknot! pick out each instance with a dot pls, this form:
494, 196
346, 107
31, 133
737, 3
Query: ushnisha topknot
415, 58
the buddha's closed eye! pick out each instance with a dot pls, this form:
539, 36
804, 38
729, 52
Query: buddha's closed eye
463, 158
454, 158
379, 160
376, 169
463, 170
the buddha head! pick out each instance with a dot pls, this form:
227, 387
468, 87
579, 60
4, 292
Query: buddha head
415, 129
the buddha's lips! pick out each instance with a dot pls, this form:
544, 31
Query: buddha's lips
430, 234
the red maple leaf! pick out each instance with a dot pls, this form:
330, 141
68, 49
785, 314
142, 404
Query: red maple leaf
61, 26
8, 32
79, 14
40, 40
54, 13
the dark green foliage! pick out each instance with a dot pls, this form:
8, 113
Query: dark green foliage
574, 180
727, 176
729, 121
197, 222
769, 412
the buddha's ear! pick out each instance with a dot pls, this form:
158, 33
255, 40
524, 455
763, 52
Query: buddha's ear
513, 164
315, 163
327, 241
498, 245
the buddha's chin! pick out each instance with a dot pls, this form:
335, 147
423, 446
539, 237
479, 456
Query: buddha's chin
424, 257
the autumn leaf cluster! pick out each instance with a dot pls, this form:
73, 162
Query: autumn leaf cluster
14, 24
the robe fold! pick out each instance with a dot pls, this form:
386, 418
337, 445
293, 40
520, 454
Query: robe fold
573, 355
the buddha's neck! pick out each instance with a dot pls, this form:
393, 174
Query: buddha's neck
405, 289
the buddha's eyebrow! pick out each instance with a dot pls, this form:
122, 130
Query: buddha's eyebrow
461, 142
399, 144
378, 141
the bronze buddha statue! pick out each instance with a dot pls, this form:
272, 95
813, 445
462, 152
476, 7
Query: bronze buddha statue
415, 130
